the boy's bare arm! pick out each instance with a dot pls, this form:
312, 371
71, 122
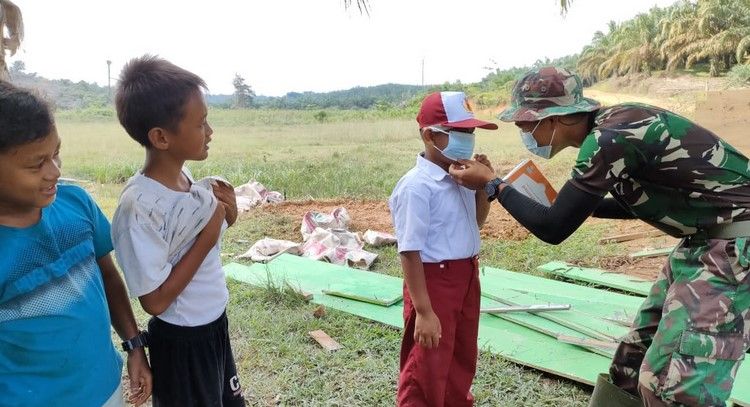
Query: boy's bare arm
483, 206
427, 325
157, 301
121, 314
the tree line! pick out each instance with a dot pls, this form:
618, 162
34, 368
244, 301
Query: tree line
712, 32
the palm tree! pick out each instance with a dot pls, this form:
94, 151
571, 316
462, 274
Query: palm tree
717, 31
597, 53
12, 22
362, 5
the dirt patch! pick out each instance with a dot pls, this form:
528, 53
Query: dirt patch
647, 268
375, 215
365, 214
727, 113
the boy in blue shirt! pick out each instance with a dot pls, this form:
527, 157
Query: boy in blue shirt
437, 228
59, 289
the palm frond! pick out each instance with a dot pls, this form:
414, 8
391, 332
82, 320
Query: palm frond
362, 5
11, 21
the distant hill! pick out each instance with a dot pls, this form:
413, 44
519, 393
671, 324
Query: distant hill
63, 93
493, 90
389, 95
66, 94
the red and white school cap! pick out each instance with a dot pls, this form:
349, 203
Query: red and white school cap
449, 109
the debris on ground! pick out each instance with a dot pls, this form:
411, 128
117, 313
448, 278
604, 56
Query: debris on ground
266, 249
378, 239
320, 312
254, 194
631, 236
326, 237
325, 341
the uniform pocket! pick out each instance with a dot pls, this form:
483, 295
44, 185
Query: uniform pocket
701, 370
719, 346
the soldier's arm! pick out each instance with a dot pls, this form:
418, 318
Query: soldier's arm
609, 208
555, 223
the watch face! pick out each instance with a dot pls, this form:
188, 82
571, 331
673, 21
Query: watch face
490, 188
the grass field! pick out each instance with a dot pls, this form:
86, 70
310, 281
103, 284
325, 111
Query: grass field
357, 156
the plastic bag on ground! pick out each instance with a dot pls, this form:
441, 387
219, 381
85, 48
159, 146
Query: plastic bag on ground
254, 194
378, 239
266, 249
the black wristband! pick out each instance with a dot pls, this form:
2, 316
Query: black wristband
138, 341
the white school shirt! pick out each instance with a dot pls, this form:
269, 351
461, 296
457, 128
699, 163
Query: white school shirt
153, 227
434, 215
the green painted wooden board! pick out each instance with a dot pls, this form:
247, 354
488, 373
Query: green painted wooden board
587, 324
373, 293
316, 276
599, 277
560, 292
311, 278
652, 253
581, 305
510, 340
541, 325
566, 293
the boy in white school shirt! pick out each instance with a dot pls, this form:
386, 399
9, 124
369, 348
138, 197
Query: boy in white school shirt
437, 226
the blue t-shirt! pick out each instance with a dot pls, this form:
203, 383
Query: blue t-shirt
55, 343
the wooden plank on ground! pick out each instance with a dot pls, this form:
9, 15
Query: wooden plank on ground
631, 236
562, 292
510, 340
597, 328
543, 325
588, 343
652, 253
599, 277
366, 292
526, 308
324, 340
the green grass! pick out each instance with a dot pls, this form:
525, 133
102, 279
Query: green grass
361, 158
347, 156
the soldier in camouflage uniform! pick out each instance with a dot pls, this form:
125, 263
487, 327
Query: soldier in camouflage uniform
692, 331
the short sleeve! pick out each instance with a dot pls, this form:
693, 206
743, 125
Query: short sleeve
102, 236
411, 219
100, 224
142, 254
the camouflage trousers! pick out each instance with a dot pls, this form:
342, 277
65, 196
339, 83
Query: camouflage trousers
692, 331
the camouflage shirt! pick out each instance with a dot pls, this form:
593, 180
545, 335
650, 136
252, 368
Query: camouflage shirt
667, 170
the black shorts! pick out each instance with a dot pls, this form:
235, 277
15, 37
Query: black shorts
193, 366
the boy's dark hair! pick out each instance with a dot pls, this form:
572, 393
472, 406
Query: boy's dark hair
24, 117
153, 92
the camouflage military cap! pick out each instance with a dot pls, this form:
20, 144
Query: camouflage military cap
544, 92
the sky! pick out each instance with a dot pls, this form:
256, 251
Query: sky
281, 46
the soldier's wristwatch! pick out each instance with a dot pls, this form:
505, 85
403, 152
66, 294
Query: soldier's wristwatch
138, 341
492, 188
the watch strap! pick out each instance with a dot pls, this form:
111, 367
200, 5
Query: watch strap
138, 341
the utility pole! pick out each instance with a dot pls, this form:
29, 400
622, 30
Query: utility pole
109, 81
422, 72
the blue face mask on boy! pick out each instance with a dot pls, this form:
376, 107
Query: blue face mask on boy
460, 145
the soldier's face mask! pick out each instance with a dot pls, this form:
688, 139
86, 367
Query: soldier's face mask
527, 137
460, 145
